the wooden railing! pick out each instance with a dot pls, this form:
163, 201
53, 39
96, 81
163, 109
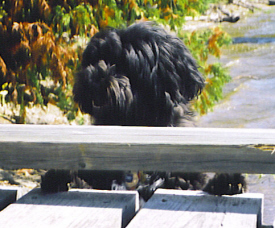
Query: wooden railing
137, 148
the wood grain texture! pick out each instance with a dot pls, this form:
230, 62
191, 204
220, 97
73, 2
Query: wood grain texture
137, 148
175, 208
81, 208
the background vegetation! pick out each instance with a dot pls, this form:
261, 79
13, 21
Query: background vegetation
41, 42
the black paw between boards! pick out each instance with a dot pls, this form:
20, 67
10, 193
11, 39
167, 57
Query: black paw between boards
55, 181
226, 184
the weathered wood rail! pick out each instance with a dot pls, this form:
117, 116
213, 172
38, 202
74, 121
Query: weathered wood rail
137, 148
134, 148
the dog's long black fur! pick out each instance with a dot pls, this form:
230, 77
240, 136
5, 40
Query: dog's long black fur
141, 76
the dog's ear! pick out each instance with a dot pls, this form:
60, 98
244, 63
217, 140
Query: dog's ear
160, 62
182, 77
194, 81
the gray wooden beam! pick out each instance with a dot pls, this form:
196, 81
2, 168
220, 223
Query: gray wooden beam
77, 208
7, 196
176, 208
137, 148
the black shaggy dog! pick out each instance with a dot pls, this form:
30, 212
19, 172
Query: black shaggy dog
140, 76
143, 76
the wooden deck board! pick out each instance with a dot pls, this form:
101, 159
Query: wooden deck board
79, 208
174, 208
7, 196
137, 148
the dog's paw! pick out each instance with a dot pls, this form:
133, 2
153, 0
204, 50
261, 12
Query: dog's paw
55, 181
226, 184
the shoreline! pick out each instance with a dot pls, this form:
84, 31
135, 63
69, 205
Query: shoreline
208, 20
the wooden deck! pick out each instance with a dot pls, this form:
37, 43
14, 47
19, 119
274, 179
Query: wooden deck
116, 209
134, 148
174, 208
71, 209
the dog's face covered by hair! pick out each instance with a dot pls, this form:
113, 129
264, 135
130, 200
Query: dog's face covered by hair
140, 76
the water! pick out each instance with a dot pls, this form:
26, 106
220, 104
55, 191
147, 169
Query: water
249, 99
